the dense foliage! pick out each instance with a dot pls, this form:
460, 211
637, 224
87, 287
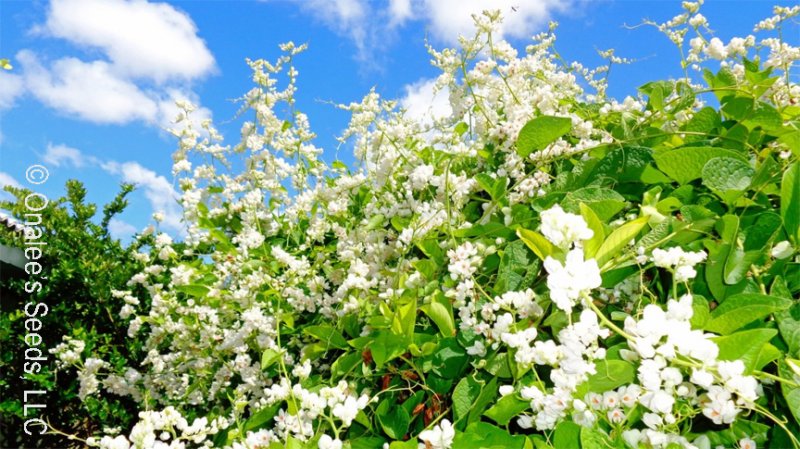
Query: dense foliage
543, 267
80, 267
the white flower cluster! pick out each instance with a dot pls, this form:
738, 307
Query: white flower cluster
165, 429
572, 361
564, 229
666, 347
573, 280
679, 261
332, 402
439, 436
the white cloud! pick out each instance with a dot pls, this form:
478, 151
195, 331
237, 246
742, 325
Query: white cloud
8, 180
11, 87
120, 229
56, 155
346, 17
369, 26
152, 54
421, 103
156, 188
449, 18
399, 11
90, 90
142, 39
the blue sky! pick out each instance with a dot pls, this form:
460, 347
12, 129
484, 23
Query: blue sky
94, 80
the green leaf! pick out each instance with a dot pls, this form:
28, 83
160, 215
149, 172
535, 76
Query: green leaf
269, 357
790, 392
686, 164
368, 443
441, 312
507, 408
619, 239
540, 132
764, 116
627, 164
738, 264
700, 312
410, 444
789, 326
482, 435
742, 309
605, 202
515, 262
746, 346
790, 201
495, 187
727, 177
591, 246
450, 359
487, 397
344, 364
610, 375
738, 108
261, 417
567, 435
703, 122
537, 243
328, 335
592, 438
196, 290
394, 420
464, 395
388, 346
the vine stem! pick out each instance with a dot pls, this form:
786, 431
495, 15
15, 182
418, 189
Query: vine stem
607, 321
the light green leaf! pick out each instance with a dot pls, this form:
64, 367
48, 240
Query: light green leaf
618, 239
610, 375
790, 201
540, 132
746, 346
741, 309
537, 243
441, 312
328, 335
592, 438
591, 246
269, 357
604, 202
727, 177
196, 290
686, 164
507, 408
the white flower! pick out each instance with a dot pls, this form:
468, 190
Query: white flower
439, 437
782, 250
326, 442
701, 378
682, 262
564, 229
119, 442
348, 410
747, 443
506, 390
716, 49
477, 349
568, 282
